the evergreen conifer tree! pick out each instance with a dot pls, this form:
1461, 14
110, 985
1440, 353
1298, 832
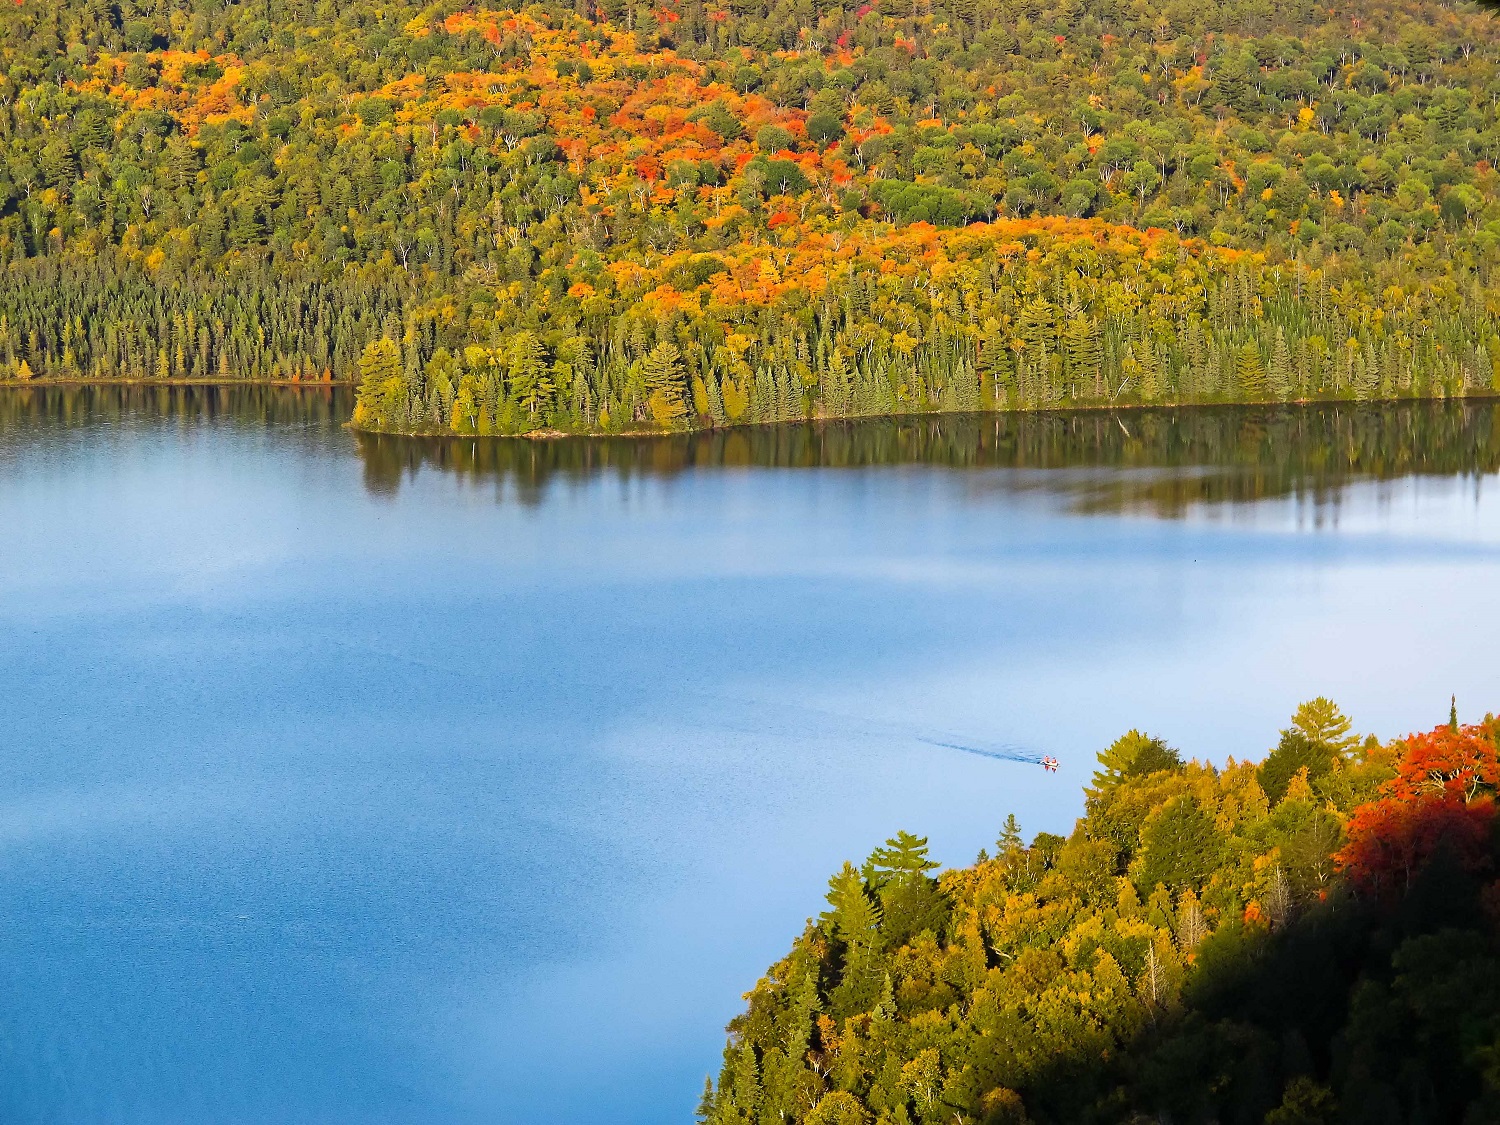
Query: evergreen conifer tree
661, 370
1249, 371
529, 381
902, 854
1133, 754
1010, 841
1279, 374
379, 380
705, 1112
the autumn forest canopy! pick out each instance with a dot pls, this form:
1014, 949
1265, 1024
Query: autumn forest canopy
622, 216
1309, 940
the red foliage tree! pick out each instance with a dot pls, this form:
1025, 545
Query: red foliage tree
1441, 797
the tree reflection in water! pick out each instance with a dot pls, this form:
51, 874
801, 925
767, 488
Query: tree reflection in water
1161, 461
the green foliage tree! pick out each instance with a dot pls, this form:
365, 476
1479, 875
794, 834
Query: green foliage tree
1133, 754
1320, 720
379, 377
1180, 848
661, 370
527, 374
855, 920
1317, 741
910, 902
902, 855
1305, 1103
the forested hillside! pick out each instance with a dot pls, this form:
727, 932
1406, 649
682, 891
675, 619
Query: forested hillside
615, 216
1313, 939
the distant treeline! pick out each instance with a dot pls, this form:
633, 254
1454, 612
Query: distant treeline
605, 216
932, 323
104, 318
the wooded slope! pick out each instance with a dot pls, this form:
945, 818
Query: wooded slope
1314, 939
614, 216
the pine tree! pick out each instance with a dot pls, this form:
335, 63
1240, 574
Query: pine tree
746, 1088
855, 918
1320, 721
1133, 754
1150, 372
801, 1017
836, 385
763, 395
996, 374
788, 399
1035, 326
902, 854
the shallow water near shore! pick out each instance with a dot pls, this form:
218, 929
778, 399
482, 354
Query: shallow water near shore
365, 779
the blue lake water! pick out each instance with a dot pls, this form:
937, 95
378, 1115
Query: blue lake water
365, 780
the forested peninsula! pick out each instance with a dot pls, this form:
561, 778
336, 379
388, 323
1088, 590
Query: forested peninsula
619, 216
1311, 940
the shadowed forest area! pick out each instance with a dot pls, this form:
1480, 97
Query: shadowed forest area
1310, 940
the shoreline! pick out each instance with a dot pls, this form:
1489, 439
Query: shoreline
557, 435
310, 384
548, 435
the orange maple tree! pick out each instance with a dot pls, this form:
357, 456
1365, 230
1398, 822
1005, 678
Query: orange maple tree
1442, 798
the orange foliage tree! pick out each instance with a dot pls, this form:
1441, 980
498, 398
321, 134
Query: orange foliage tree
1442, 797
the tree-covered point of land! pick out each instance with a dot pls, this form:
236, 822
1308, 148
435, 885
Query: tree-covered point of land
1310, 940
612, 216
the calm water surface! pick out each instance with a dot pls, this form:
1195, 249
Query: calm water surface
363, 780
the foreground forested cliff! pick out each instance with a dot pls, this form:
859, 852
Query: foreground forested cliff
1314, 939
614, 215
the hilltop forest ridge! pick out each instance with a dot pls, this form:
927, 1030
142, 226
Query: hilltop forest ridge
618, 216
1311, 940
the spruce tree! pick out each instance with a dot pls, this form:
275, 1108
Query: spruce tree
1249, 372
1010, 841
1279, 374
529, 381
661, 371
704, 1115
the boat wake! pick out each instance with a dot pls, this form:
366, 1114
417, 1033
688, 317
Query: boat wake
1000, 753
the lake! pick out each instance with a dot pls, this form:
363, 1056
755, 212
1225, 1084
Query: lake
366, 779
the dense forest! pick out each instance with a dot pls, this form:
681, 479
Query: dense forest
1310, 940
615, 215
